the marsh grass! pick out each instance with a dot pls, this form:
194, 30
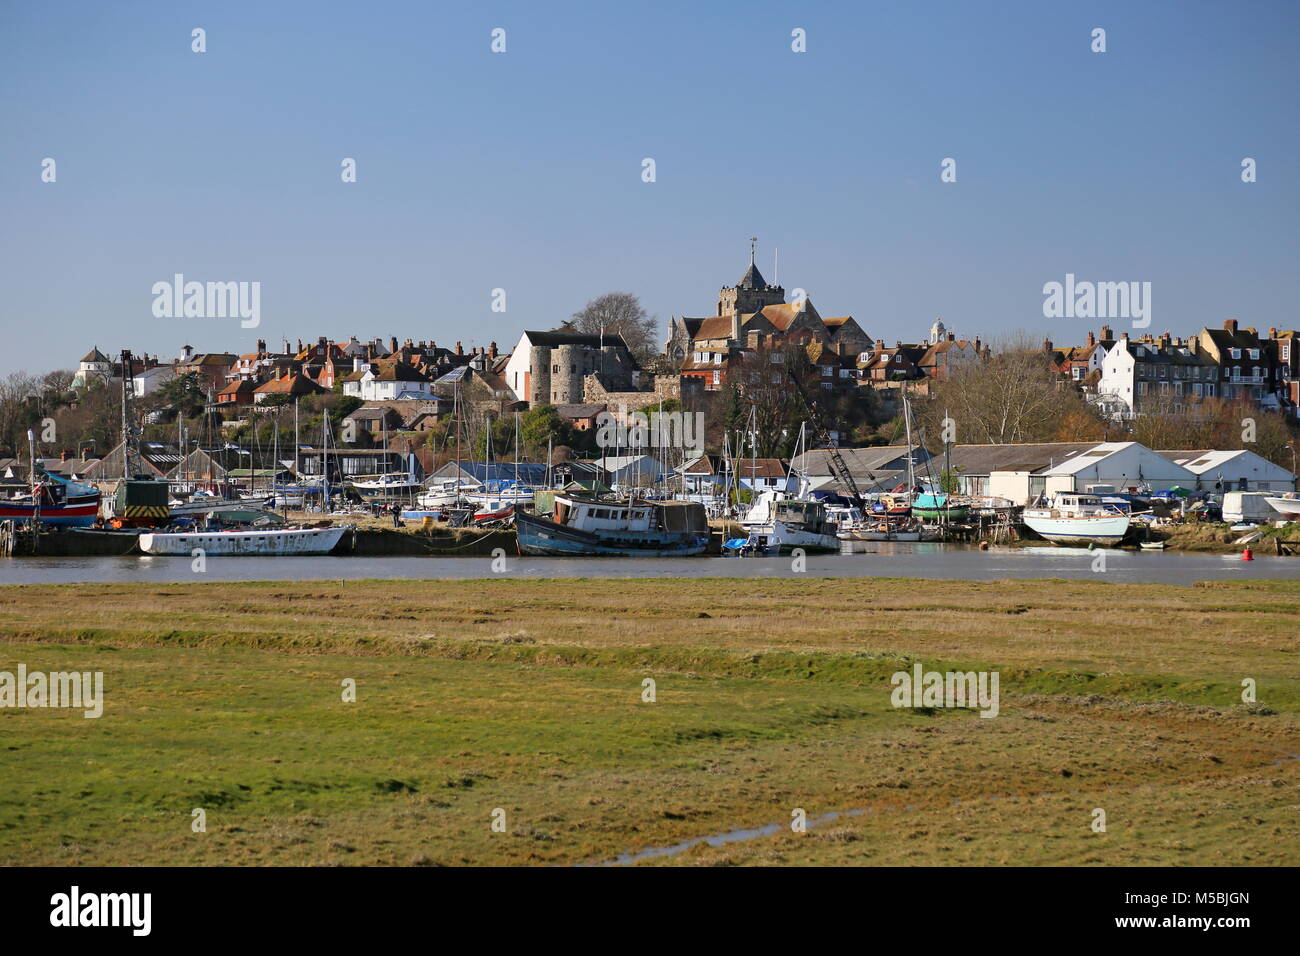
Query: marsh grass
526, 696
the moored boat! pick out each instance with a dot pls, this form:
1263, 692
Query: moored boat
583, 525
787, 522
257, 541
1078, 519
54, 501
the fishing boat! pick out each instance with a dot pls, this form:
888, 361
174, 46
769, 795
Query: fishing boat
631, 527
1288, 505
1078, 519
255, 541
53, 501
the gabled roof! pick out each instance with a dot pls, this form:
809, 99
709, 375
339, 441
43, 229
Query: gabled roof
554, 339
95, 355
1031, 456
1200, 461
291, 385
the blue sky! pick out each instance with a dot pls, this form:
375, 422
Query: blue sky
522, 170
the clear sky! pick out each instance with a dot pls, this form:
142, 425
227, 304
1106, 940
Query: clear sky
522, 170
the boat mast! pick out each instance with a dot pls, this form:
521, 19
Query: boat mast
907, 424
296, 475
126, 383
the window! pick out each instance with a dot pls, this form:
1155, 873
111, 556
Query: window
1286, 352
1235, 353
1254, 354
827, 371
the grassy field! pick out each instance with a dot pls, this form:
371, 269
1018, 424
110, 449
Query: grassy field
525, 696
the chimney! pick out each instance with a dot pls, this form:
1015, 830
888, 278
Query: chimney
261, 346
1124, 336
356, 363
460, 350
977, 345
1272, 333
322, 341
1092, 339
300, 345
1164, 339
952, 336
1105, 333
492, 349
735, 326
1230, 325
392, 344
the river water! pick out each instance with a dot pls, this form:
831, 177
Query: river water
883, 559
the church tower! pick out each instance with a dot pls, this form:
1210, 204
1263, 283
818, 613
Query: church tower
751, 293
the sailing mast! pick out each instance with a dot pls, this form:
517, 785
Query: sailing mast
907, 424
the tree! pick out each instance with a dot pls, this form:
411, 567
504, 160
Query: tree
1014, 396
541, 425
620, 313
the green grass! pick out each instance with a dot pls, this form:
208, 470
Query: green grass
526, 696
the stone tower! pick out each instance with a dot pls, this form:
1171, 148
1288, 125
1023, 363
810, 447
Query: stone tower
751, 293
539, 382
566, 377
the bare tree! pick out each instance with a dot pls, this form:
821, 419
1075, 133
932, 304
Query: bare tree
619, 313
1012, 397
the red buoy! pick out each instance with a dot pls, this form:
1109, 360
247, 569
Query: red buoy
1247, 556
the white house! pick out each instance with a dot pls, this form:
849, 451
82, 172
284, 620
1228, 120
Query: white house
1233, 470
146, 381
1122, 466
392, 381
95, 366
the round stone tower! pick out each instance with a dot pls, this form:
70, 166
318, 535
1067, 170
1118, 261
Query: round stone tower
566, 383
539, 382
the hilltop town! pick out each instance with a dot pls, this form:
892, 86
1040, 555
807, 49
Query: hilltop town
760, 366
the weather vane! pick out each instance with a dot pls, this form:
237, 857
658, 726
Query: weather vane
753, 244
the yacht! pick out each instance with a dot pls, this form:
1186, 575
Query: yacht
1070, 518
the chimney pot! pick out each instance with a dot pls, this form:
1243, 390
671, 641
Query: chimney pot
1230, 325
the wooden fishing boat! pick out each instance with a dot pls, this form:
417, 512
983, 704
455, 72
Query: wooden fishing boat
583, 525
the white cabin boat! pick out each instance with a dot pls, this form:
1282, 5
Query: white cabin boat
258, 541
785, 522
1078, 519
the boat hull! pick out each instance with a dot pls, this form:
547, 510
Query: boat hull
1285, 506
1105, 530
539, 536
73, 515
293, 541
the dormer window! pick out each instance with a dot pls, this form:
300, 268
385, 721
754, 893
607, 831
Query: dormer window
1254, 355
1235, 353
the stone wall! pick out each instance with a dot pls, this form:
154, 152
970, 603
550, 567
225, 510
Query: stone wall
664, 388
